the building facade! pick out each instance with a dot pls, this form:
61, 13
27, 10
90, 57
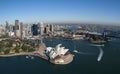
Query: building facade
18, 29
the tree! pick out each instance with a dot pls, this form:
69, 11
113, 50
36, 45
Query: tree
6, 51
31, 50
24, 48
17, 49
9, 44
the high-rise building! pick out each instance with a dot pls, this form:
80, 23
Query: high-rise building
51, 28
17, 23
11, 28
47, 29
41, 28
18, 29
7, 27
34, 29
28, 31
11, 31
21, 28
2, 30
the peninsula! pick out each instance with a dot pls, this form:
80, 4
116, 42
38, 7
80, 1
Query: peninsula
16, 47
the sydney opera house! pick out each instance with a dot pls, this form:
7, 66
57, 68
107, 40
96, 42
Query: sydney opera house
59, 55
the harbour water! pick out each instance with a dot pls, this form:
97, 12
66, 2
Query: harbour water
84, 62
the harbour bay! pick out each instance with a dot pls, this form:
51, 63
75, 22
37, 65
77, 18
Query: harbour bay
82, 64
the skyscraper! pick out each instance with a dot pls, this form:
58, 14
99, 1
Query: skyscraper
41, 28
34, 29
28, 30
51, 28
17, 24
18, 29
47, 29
7, 27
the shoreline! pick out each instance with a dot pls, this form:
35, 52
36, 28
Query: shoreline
24, 54
41, 53
15, 54
40, 56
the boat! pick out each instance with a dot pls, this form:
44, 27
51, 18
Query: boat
27, 57
75, 51
32, 57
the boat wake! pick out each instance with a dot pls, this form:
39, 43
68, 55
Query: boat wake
100, 49
76, 51
100, 54
97, 45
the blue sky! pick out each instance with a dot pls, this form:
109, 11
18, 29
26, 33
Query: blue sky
75, 11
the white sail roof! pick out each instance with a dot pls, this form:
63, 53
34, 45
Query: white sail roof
57, 51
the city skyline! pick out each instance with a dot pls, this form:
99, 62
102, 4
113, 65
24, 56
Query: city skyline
61, 11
